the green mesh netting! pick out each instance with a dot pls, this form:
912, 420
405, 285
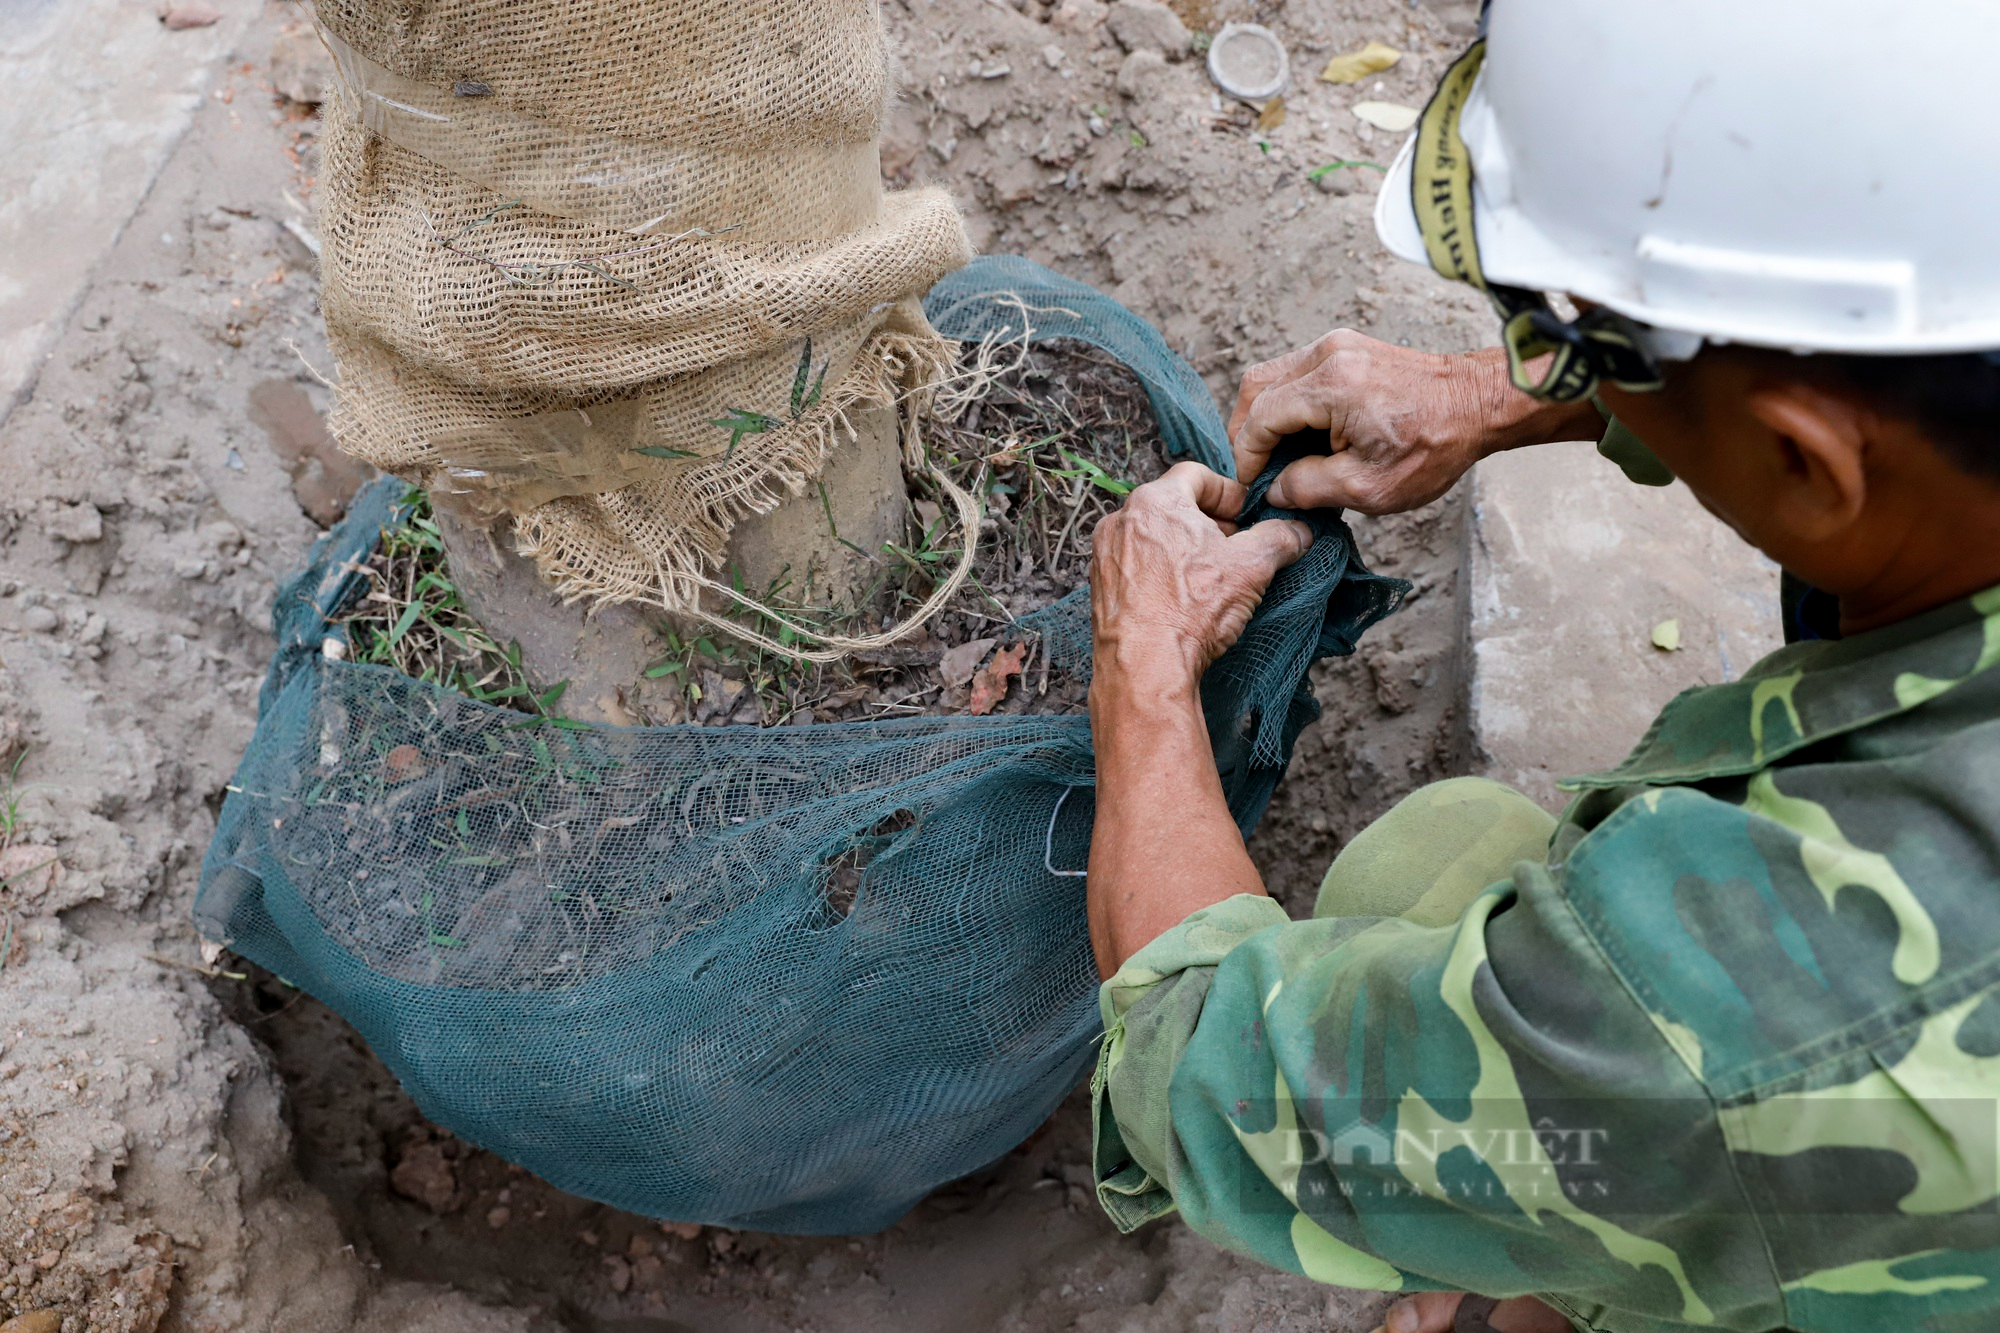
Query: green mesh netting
609, 954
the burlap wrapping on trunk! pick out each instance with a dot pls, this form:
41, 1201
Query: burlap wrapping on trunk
618, 269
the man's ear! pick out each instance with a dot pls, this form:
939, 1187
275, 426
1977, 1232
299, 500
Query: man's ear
1821, 457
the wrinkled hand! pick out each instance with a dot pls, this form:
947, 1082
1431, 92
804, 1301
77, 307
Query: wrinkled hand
1435, 1312
1405, 425
1172, 582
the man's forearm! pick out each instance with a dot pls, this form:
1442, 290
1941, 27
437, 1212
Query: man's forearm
1164, 844
1510, 419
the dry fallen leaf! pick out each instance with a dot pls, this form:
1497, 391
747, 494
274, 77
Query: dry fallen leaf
190, 14
1272, 116
403, 763
1391, 116
1358, 65
989, 686
1667, 636
35, 1321
956, 666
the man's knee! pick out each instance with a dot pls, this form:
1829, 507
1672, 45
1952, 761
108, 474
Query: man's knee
1434, 851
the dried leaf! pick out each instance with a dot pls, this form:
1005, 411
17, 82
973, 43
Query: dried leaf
1667, 636
1272, 116
403, 763
989, 685
1358, 65
958, 664
1391, 116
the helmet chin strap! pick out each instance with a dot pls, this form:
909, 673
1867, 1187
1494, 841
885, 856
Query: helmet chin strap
1669, 344
1597, 346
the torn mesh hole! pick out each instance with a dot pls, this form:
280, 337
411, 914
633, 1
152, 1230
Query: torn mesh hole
845, 871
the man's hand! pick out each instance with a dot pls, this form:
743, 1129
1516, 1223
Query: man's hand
1172, 583
1405, 425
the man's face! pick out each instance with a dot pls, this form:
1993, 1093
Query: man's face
1704, 432
1855, 502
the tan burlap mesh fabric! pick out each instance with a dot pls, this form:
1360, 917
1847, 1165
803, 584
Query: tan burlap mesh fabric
618, 268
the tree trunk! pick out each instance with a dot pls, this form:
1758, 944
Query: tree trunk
817, 548
821, 549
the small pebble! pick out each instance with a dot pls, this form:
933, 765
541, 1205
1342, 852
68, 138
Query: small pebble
192, 14
40, 620
498, 1218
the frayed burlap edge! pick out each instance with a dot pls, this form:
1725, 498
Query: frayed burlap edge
587, 558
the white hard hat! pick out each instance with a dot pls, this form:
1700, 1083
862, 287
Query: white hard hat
1809, 174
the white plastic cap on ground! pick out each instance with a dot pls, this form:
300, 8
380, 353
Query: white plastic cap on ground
1249, 61
1810, 174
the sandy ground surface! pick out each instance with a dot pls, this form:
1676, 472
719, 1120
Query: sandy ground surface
184, 1150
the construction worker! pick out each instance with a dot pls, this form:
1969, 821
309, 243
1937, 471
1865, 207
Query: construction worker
1720, 1048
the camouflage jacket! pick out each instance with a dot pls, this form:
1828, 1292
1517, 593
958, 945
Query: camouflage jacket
1730, 1059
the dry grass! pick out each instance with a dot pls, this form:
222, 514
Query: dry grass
1062, 438
412, 618
1049, 447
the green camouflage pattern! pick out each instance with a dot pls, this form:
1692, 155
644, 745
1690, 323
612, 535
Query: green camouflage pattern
1729, 1059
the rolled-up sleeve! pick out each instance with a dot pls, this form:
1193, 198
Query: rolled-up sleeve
1151, 1008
